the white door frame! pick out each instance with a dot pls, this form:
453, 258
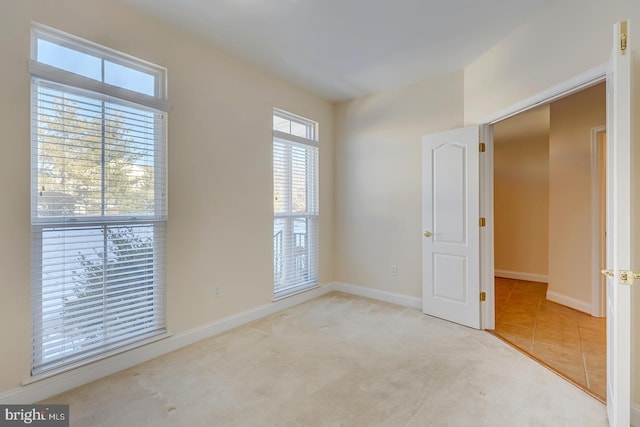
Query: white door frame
576, 84
487, 267
598, 225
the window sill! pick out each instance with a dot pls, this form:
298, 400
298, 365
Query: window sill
295, 291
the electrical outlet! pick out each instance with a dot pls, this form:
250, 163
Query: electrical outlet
217, 291
394, 270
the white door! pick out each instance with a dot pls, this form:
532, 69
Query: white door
450, 220
619, 229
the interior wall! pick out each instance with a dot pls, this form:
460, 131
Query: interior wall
220, 187
567, 39
521, 194
378, 181
570, 217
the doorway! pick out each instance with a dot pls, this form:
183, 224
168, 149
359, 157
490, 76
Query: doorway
545, 264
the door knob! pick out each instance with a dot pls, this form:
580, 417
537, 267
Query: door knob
427, 234
607, 273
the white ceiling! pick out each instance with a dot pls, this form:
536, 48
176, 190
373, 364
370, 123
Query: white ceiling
342, 49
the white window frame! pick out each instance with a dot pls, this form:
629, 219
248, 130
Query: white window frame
286, 264
43, 75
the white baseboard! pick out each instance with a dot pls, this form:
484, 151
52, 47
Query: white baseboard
42, 389
635, 414
391, 297
517, 275
574, 303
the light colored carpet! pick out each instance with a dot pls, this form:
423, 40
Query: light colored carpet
338, 360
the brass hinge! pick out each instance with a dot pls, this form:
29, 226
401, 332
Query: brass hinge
623, 36
483, 147
483, 222
483, 296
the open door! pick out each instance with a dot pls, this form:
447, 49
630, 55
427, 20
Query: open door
451, 224
619, 229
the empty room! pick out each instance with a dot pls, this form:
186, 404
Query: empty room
279, 213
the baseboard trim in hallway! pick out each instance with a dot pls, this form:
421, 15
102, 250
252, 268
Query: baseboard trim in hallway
518, 275
574, 303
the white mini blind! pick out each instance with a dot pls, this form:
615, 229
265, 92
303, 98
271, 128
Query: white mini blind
296, 203
95, 156
99, 290
98, 209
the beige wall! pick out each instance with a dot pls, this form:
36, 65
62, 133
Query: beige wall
378, 181
566, 40
220, 191
521, 193
570, 228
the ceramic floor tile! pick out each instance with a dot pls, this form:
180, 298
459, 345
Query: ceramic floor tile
548, 307
524, 301
518, 317
521, 336
571, 342
598, 383
565, 360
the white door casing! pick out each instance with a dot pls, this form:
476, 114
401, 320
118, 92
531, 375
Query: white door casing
598, 220
450, 219
619, 229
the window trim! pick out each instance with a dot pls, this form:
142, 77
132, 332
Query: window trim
313, 216
42, 75
67, 78
313, 125
53, 35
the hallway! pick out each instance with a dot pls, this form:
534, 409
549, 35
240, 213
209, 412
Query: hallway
570, 342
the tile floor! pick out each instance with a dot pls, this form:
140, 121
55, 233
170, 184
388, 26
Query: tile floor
570, 342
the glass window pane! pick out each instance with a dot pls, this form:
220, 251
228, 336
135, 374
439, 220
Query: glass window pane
69, 137
299, 179
281, 179
129, 161
282, 125
69, 60
298, 129
128, 78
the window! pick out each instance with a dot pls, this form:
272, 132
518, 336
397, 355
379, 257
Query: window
98, 191
295, 203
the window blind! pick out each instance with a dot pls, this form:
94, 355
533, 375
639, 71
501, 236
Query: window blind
98, 214
296, 209
95, 156
99, 290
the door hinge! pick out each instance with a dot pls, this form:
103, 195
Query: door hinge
483, 296
483, 221
623, 36
483, 147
